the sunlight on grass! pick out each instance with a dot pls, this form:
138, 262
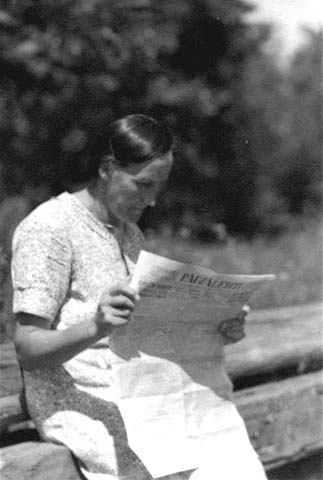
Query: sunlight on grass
295, 258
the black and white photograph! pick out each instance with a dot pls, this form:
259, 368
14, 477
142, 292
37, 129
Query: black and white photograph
161, 239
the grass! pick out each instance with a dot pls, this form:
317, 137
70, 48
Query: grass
295, 258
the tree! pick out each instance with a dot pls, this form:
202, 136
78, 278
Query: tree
198, 92
70, 67
301, 179
284, 119
73, 66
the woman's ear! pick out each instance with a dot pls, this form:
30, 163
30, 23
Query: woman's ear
105, 167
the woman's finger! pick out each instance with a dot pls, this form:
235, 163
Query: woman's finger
233, 322
115, 316
124, 290
235, 335
238, 336
121, 301
124, 313
116, 320
246, 309
242, 315
236, 326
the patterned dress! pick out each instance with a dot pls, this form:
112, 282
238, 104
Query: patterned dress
63, 259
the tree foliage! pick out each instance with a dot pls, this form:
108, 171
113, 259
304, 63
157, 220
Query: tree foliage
243, 156
284, 108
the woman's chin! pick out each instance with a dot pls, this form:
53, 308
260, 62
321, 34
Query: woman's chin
136, 217
132, 216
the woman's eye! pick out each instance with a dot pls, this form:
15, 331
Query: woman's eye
146, 184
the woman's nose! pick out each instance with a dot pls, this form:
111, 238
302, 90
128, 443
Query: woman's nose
150, 202
149, 198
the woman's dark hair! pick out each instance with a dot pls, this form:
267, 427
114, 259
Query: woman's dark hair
132, 139
137, 138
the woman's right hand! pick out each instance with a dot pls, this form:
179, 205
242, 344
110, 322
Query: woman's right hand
115, 308
38, 346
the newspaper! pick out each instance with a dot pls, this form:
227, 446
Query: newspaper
167, 362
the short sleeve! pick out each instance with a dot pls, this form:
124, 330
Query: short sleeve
41, 270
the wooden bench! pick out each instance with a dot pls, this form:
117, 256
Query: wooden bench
278, 390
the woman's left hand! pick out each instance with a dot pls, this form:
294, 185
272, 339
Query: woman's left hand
232, 329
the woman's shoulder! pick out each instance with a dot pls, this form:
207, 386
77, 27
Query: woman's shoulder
54, 215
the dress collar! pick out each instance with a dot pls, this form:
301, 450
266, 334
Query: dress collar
103, 228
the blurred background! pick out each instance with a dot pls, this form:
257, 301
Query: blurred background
239, 82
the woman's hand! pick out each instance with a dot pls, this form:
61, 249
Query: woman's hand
232, 329
115, 308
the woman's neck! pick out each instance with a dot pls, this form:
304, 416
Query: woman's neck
92, 198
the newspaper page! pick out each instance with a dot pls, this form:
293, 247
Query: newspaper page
167, 362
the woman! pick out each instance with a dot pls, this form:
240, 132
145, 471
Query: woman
72, 259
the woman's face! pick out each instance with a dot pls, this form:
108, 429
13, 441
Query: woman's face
129, 190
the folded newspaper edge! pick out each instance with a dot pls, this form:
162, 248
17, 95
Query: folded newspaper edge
158, 269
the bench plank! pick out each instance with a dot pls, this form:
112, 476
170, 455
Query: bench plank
37, 461
284, 418
11, 411
10, 377
276, 339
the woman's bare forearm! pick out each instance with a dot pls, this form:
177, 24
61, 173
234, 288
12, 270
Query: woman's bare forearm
38, 346
41, 347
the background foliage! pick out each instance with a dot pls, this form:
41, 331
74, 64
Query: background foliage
248, 133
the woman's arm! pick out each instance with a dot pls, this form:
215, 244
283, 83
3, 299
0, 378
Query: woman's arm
38, 346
